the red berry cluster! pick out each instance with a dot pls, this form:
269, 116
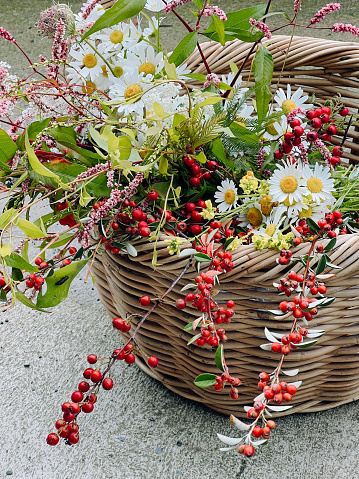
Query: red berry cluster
224, 379
279, 392
196, 171
67, 220
34, 281
331, 222
289, 341
291, 138
81, 401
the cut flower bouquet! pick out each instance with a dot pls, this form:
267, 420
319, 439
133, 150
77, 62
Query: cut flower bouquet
114, 135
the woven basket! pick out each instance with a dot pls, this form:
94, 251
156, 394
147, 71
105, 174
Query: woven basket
329, 370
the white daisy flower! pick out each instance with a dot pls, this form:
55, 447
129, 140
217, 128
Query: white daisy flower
136, 30
155, 5
145, 60
87, 63
116, 38
276, 130
251, 214
95, 14
287, 102
130, 86
226, 196
181, 72
318, 183
107, 77
287, 183
313, 211
273, 223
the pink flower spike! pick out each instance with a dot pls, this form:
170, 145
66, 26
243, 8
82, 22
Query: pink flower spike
89, 8
345, 28
211, 78
329, 8
297, 6
214, 10
6, 35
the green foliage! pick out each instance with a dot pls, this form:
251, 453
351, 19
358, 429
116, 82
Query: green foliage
184, 49
7, 150
263, 66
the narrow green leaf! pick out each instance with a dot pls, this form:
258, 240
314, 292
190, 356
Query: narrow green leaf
27, 302
59, 283
188, 327
122, 10
36, 165
219, 28
202, 258
163, 165
330, 245
6, 217
7, 150
218, 358
218, 150
31, 230
184, 49
205, 380
193, 339
321, 265
263, 66
314, 228
16, 261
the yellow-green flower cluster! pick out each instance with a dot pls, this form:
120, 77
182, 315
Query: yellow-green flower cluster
263, 188
209, 211
279, 242
174, 246
235, 244
248, 183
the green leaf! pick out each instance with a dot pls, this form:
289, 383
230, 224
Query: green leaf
59, 283
196, 76
97, 186
7, 150
198, 4
27, 302
218, 358
202, 258
314, 228
243, 35
122, 10
218, 150
5, 250
16, 274
330, 245
194, 338
63, 239
31, 230
244, 134
212, 100
36, 127
15, 261
163, 165
321, 264
188, 327
170, 69
306, 345
205, 380
219, 28
125, 146
131, 250
85, 198
36, 165
263, 66
6, 217
201, 158
184, 49
25, 251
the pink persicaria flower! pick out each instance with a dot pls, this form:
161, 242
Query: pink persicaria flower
89, 8
297, 6
211, 78
6, 35
262, 27
174, 4
345, 28
329, 8
214, 10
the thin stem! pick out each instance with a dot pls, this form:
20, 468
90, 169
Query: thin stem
204, 59
99, 54
180, 18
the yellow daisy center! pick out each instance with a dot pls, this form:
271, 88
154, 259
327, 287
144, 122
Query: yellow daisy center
132, 91
306, 213
229, 197
104, 71
89, 60
89, 88
271, 129
314, 185
147, 69
118, 71
270, 230
254, 216
288, 184
288, 106
116, 36
266, 206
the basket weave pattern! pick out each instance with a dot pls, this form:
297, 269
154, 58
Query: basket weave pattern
329, 370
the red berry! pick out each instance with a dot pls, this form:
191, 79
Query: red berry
130, 358
107, 384
195, 229
200, 342
195, 181
84, 387
145, 300
52, 439
276, 347
137, 214
68, 416
248, 451
180, 304
343, 111
74, 408
269, 394
257, 431
322, 289
87, 373
73, 438
96, 376
153, 361
60, 423
92, 358
152, 195
87, 407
